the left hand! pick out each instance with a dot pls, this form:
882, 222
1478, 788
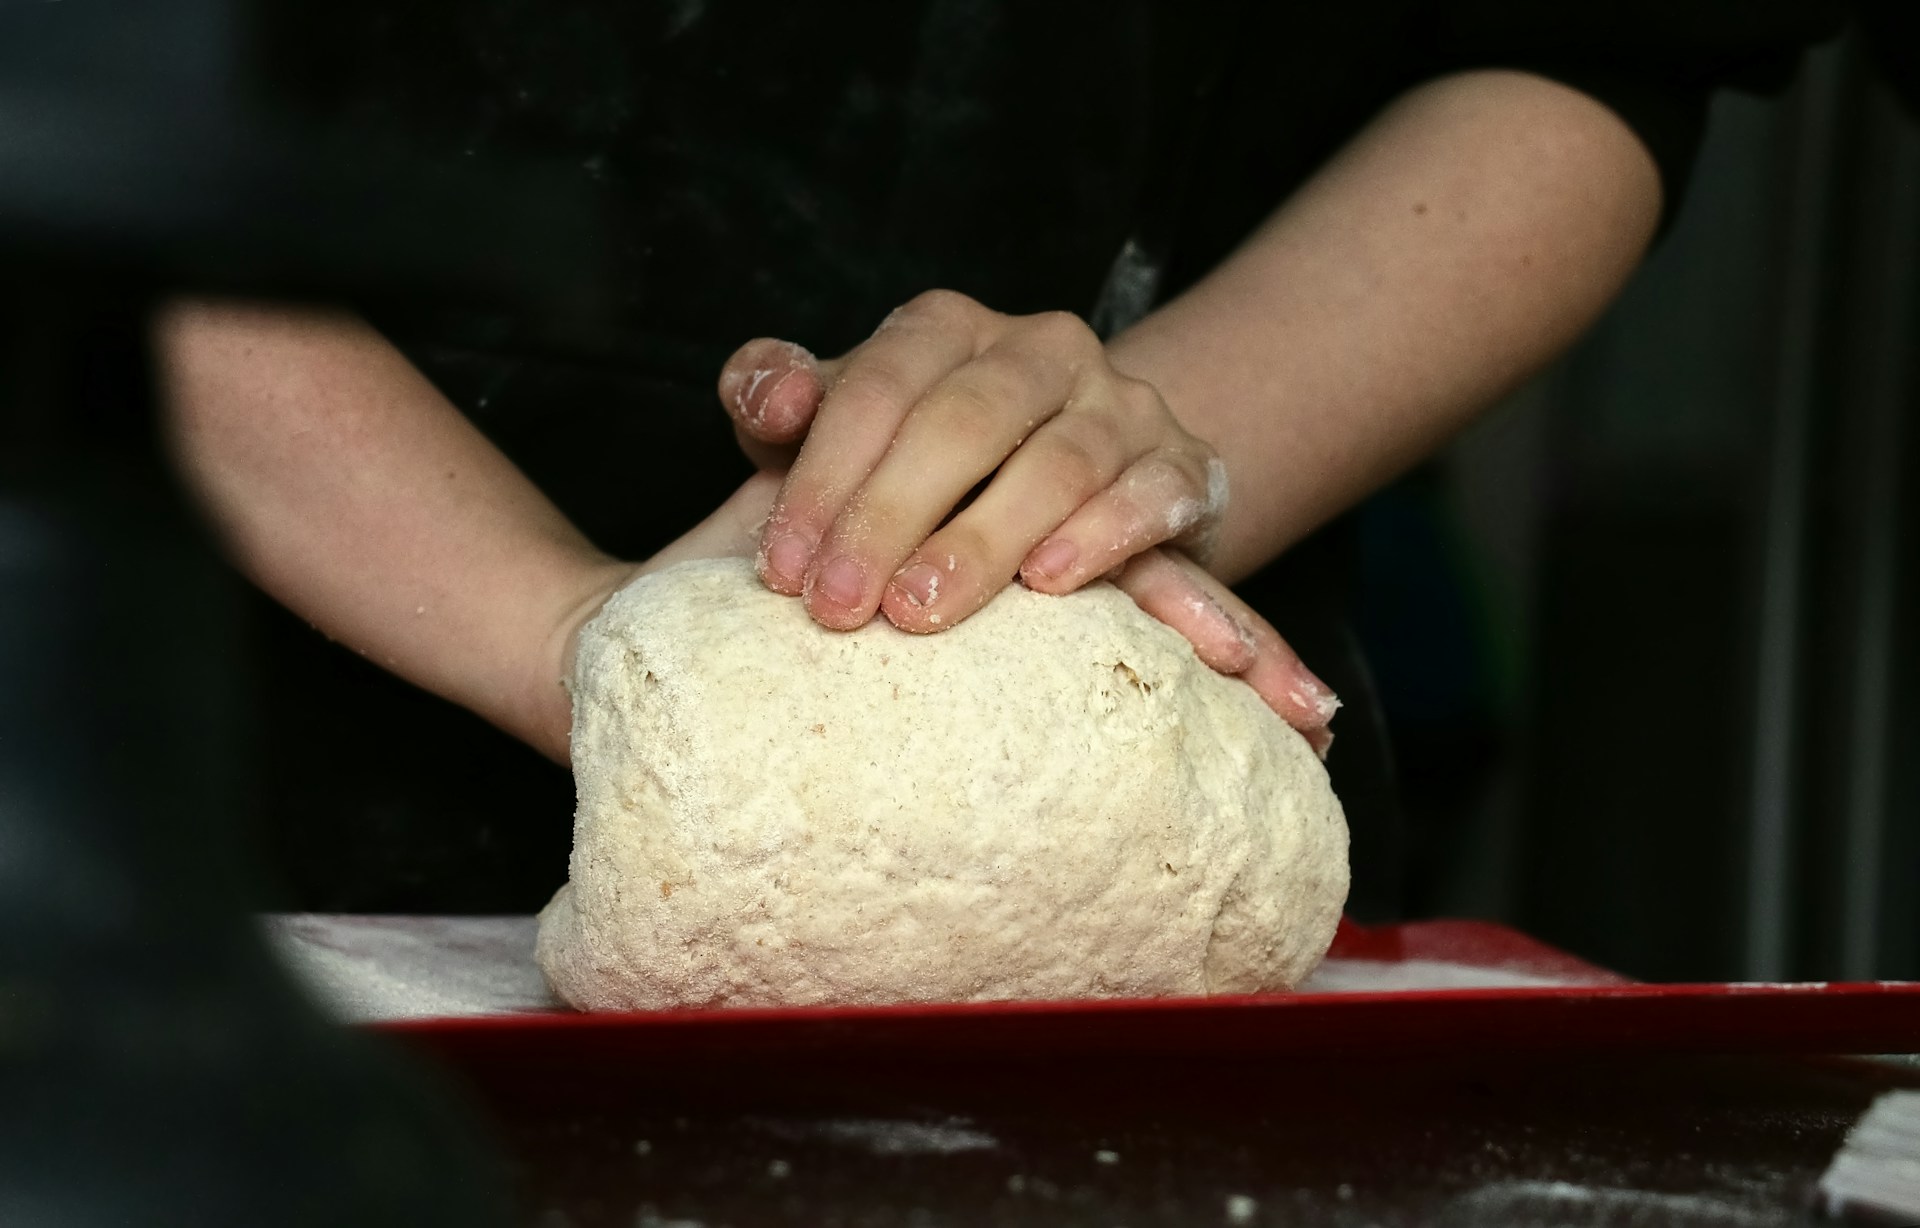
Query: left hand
1083, 467
1086, 474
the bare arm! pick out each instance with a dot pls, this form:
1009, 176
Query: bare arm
349, 489
1455, 247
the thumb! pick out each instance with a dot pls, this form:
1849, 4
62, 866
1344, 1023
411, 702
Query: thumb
771, 390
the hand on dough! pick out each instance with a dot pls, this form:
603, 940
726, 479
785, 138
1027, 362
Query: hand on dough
731, 531
1083, 473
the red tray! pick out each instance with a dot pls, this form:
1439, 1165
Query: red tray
1401, 992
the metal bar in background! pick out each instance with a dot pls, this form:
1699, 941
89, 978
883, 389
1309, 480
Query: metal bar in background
1777, 674
1889, 252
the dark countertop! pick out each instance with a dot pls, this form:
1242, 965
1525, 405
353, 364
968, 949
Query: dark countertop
1160, 1139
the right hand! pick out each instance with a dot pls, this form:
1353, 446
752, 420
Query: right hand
1078, 468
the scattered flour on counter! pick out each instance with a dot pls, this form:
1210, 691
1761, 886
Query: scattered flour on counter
1380, 976
370, 968
909, 1137
1528, 1202
889, 1138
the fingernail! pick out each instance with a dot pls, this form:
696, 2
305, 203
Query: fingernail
788, 557
842, 582
1321, 740
743, 400
920, 583
760, 407
1052, 557
1314, 695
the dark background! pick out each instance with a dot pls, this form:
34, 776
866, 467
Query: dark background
1693, 547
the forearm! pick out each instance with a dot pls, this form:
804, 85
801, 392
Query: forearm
1455, 247
349, 489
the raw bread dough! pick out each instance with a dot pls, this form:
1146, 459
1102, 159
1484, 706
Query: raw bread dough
1054, 799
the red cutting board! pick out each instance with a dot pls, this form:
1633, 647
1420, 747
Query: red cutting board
1434, 986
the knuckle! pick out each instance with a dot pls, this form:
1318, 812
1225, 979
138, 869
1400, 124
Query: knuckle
1075, 463
1184, 478
1151, 579
939, 306
799, 503
1141, 394
1060, 331
818, 488
870, 390
963, 411
869, 522
1098, 437
959, 548
1190, 466
1146, 476
1127, 502
1142, 400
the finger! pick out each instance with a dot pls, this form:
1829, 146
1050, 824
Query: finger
1159, 584
1231, 637
855, 423
970, 559
1171, 496
770, 389
957, 434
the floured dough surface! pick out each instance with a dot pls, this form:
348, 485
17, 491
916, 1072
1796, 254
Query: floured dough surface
1054, 799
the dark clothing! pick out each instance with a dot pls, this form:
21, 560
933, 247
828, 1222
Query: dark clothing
798, 171
1890, 29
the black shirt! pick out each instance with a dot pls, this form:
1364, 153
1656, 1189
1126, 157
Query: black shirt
800, 169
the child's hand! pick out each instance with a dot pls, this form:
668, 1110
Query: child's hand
1088, 467
1090, 475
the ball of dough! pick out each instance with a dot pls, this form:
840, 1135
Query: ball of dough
1054, 799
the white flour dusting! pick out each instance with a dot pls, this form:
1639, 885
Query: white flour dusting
1382, 976
370, 968
889, 1138
1216, 487
1527, 1202
908, 1137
